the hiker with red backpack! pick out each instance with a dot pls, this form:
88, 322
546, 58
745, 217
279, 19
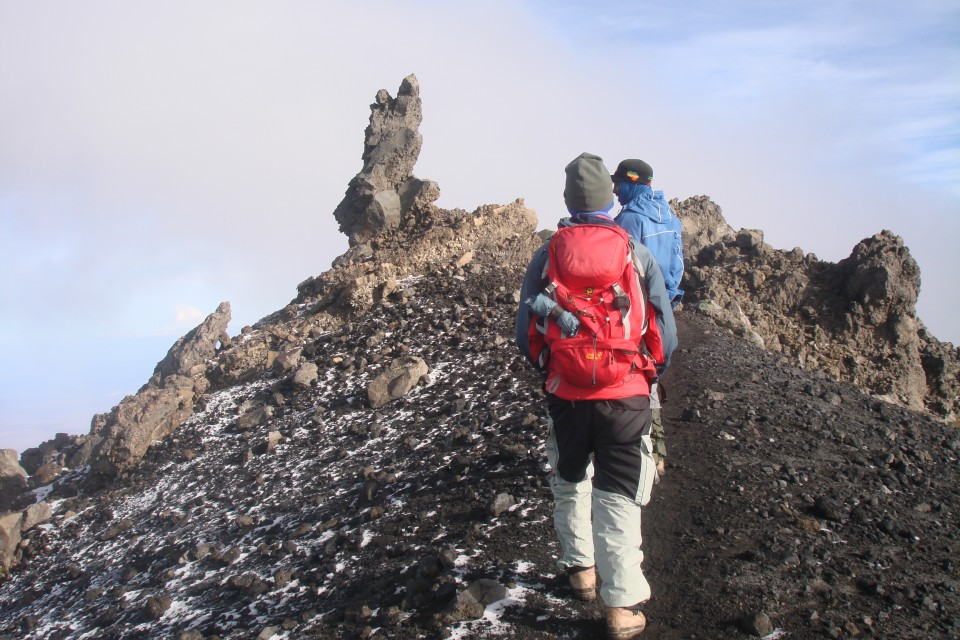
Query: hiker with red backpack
595, 319
647, 217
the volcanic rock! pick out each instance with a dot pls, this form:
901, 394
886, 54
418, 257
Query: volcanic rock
10, 524
401, 376
124, 434
385, 195
13, 478
855, 320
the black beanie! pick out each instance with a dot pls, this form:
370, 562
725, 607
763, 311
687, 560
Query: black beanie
636, 171
588, 187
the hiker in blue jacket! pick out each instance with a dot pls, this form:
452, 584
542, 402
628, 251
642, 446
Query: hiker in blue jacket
599, 450
647, 217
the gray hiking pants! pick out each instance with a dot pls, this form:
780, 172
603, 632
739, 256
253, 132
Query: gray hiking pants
603, 470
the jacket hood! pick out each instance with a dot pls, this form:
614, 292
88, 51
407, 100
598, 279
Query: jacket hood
642, 199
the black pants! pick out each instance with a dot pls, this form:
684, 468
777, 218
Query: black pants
610, 430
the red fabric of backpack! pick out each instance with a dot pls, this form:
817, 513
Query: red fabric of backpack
590, 272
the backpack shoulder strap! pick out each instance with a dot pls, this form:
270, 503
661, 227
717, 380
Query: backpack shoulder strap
637, 263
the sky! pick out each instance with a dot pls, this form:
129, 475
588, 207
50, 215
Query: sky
157, 158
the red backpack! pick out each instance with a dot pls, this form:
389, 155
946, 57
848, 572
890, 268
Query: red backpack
591, 272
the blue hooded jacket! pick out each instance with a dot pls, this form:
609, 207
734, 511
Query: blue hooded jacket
647, 217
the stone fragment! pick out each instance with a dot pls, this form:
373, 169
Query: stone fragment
757, 624
35, 514
403, 375
156, 605
305, 375
500, 504
273, 438
255, 418
288, 360
10, 524
464, 260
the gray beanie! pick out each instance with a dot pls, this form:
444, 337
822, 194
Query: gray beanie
589, 187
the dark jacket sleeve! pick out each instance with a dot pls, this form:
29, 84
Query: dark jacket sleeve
657, 294
532, 284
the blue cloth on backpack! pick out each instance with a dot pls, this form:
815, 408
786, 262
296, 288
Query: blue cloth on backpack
543, 306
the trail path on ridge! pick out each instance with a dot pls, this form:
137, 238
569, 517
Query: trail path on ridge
793, 506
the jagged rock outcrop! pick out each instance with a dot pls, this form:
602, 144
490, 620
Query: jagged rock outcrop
388, 244
119, 439
385, 195
856, 319
880, 282
941, 364
48, 453
125, 434
189, 355
703, 224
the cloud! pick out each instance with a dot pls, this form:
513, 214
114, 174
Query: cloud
187, 153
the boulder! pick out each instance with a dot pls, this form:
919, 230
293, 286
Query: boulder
10, 524
879, 283
288, 360
13, 478
470, 603
305, 375
35, 514
254, 418
402, 375
703, 224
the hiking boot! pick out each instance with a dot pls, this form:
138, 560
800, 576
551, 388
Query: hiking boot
583, 581
625, 623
